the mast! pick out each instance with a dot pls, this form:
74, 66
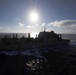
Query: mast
44, 28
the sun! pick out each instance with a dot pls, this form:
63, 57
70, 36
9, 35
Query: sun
34, 16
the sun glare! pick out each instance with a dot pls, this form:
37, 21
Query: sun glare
33, 34
33, 16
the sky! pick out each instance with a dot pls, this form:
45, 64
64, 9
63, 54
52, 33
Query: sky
57, 15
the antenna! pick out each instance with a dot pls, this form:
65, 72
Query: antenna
44, 28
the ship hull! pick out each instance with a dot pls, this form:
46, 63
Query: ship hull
32, 45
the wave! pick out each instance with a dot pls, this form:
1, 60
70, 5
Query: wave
73, 42
38, 52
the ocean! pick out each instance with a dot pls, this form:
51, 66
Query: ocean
19, 35
71, 37
58, 60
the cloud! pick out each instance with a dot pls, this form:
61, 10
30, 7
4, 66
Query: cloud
0, 27
64, 23
21, 24
43, 24
29, 26
37, 25
33, 26
8, 28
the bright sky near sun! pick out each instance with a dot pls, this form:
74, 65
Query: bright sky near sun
57, 15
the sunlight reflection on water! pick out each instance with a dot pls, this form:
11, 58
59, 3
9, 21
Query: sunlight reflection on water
36, 64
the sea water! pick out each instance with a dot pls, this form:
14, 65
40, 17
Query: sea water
38, 52
62, 59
